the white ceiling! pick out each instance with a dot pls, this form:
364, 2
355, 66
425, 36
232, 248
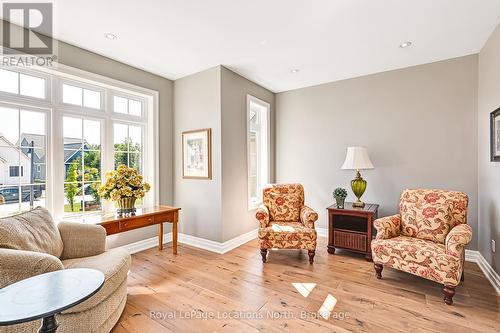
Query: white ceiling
263, 40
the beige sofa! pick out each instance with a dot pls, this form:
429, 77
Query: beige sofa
31, 243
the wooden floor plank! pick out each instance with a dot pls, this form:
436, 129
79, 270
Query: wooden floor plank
241, 294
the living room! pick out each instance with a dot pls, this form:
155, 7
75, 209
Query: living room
214, 166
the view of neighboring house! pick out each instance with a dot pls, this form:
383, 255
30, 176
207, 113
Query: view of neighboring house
14, 163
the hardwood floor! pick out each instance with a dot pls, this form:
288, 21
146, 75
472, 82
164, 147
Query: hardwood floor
239, 293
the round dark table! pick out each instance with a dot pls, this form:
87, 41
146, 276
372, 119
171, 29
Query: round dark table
46, 295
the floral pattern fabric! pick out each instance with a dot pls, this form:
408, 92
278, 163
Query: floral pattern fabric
456, 240
287, 235
388, 227
285, 223
308, 216
431, 214
419, 257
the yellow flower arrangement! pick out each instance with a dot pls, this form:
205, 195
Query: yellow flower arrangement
124, 182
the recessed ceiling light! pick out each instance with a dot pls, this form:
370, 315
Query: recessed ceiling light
111, 36
295, 70
405, 45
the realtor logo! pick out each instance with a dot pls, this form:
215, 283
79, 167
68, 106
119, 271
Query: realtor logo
32, 31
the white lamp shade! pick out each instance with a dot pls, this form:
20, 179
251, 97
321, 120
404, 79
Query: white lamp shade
357, 159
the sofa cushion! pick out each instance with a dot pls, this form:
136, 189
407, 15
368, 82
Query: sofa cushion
431, 214
31, 231
114, 264
420, 257
287, 235
284, 207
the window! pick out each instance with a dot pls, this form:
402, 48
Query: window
86, 98
128, 146
82, 132
127, 106
14, 171
257, 149
22, 146
82, 164
22, 84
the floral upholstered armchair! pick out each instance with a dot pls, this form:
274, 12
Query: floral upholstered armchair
285, 222
427, 238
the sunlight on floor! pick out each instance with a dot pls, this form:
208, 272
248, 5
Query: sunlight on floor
327, 307
304, 288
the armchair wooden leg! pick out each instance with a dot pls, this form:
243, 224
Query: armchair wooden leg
311, 254
378, 270
462, 278
448, 292
263, 253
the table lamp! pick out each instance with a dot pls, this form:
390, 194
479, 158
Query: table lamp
357, 159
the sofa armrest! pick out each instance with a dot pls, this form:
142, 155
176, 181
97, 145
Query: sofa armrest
308, 216
457, 238
262, 215
388, 227
16, 265
82, 240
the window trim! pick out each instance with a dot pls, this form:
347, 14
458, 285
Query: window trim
252, 205
18, 97
55, 111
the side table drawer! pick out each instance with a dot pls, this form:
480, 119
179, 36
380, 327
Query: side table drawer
349, 240
136, 223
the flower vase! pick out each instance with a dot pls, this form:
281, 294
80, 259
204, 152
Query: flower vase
126, 206
340, 202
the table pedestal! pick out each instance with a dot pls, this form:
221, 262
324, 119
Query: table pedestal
49, 325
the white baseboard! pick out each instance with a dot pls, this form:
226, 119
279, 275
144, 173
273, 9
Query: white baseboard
146, 243
491, 275
198, 242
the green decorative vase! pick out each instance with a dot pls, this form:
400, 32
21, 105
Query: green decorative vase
358, 186
126, 206
340, 202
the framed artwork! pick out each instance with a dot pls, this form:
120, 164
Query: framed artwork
495, 135
197, 154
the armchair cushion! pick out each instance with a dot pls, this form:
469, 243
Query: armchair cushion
31, 231
82, 240
308, 216
388, 227
16, 265
287, 235
262, 215
419, 257
284, 207
431, 214
457, 238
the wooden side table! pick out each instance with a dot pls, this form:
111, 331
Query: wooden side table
351, 228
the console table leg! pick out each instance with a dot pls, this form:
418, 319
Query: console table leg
49, 325
174, 233
160, 236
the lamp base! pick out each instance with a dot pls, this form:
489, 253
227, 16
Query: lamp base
358, 204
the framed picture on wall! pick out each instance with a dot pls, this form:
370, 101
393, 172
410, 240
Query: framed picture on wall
495, 135
197, 154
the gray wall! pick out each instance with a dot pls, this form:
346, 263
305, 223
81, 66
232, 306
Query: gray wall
237, 219
197, 104
489, 172
418, 124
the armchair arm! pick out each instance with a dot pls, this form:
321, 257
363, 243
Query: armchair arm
262, 215
457, 238
388, 227
16, 265
82, 240
308, 216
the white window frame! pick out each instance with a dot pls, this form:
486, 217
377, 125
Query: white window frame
252, 203
56, 110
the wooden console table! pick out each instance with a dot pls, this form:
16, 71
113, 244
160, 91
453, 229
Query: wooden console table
144, 217
350, 228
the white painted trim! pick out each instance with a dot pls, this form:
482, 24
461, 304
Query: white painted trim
146, 243
201, 243
491, 275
